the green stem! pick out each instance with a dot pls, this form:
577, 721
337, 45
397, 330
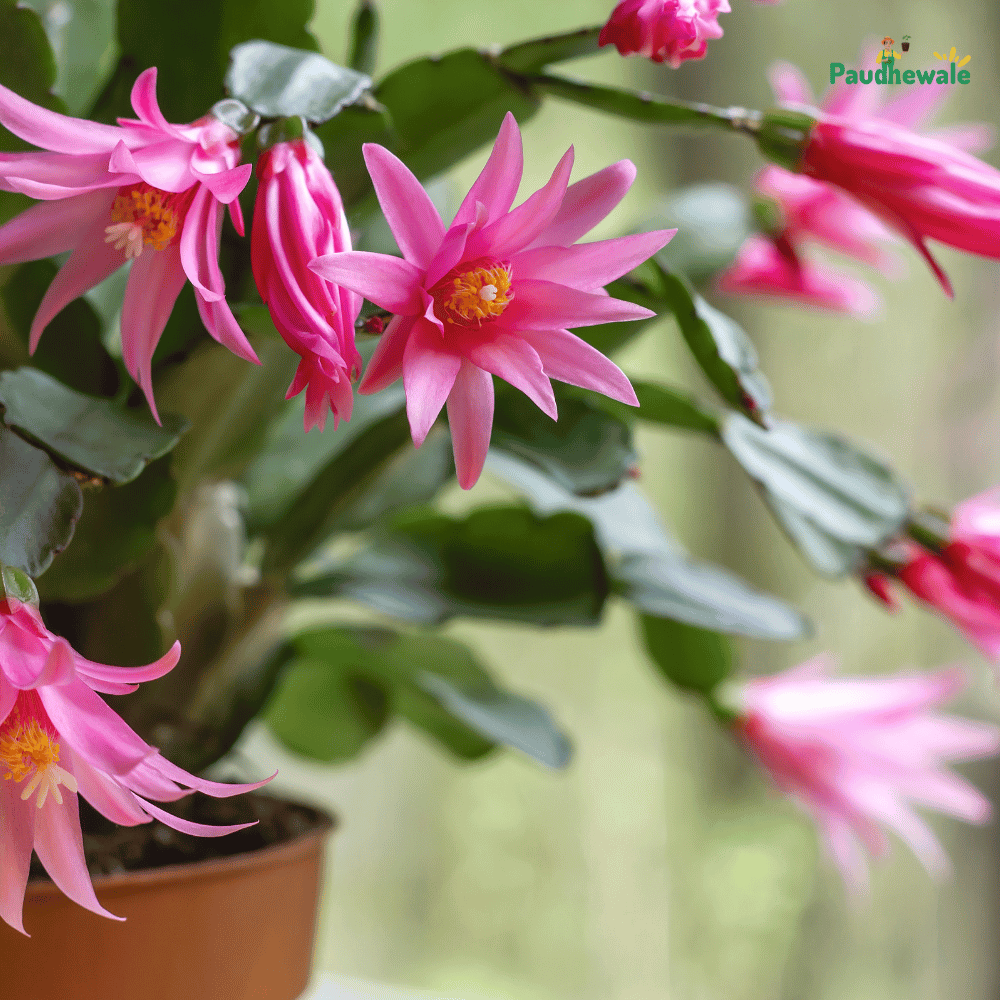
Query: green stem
537, 53
930, 529
648, 108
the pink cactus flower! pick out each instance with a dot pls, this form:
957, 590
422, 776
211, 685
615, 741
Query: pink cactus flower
58, 739
298, 216
669, 31
495, 293
143, 191
772, 268
962, 581
855, 753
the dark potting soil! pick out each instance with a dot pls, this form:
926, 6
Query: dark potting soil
110, 848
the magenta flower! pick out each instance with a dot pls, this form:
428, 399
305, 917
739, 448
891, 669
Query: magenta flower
962, 581
855, 753
145, 192
495, 293
299, 216
58, 738
669, 31
772, 268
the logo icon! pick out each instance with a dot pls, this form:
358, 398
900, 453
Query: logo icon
950, 58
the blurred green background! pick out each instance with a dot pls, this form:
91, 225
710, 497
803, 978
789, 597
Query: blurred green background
659, 865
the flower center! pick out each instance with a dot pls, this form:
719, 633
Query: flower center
145, 216
471, 297
28, 750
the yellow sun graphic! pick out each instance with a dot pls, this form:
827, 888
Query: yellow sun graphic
950, 57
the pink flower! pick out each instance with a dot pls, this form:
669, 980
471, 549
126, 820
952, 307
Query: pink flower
772, 268
493, 294
664, 30
143, 191
855, 753
962, 581
59, 738
299, 216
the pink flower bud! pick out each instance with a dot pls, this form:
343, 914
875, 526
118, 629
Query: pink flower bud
668, 31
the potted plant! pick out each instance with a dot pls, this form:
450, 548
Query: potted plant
166, 500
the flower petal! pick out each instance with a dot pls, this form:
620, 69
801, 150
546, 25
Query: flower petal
105, 794
386, 365
545, 305
217, 789
389, 282
17, 834
496, 187
52, 227
514, 360
186, 826
470, 418
789, 85
429, 372
124, 680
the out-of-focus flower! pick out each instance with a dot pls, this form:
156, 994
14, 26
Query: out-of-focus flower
773, 268
299, 216
855, 753
58, 738
495, 293
669, 31
145, 192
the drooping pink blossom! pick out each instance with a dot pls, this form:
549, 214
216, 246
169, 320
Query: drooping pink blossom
299, 216
145, 192
962, 580
857, 753
493, 294
669, 31
772, 268
58, 739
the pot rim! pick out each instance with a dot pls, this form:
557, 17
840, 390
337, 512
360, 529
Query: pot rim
262, 857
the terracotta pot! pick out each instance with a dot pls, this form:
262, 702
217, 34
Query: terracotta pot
236, 928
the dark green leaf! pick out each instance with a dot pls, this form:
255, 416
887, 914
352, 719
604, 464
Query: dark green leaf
827, 555
343, 138
95, 435
363, 55
17, 585
661, 404
587, 450
675, 587
281, 82
39, 506
692, 658
537, 53
499, 563
844, 491
116, 532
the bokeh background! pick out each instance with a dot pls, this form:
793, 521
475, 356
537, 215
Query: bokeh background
658, 865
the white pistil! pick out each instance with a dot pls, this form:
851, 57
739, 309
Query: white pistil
488, 293
48, 779
126, 236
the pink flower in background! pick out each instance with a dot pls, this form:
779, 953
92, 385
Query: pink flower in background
495, 293
963, 580
59, 738
772, 268
145, 192
298, 216
855, 753
669, 31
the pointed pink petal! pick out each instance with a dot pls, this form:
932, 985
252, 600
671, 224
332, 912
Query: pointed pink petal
102, 677
452, 249
59, 846
386, 365
516, 230
789, 85
186, 826
54, 131
845, 851
545, 305
407, 207
973, 138
389, 282
236, 215
52, 227
199, 257
470, 418
569, 359
514, 360
947, 793
89, 264
8, 695
429, 372
217, 789
589, 266
226, 185
496, 187
108, 797
587, 202
222, 326
17, 834
54, 176
59, 667
155, 281
144, 101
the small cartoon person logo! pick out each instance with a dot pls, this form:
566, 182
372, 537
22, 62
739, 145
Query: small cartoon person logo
888, 55
950, 57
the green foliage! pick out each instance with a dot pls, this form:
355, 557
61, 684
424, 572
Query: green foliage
692, 658
94, 435
661, 404
535, 54
17, 585
39, 506
363, 55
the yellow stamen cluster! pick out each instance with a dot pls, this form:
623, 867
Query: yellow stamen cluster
479, 294
142, 216
27, 750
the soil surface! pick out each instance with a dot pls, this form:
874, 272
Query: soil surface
110, 848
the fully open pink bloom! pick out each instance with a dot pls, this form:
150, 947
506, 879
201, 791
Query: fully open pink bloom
143, 191
772, 268
59, 738
962, 581
855, 753
495, 293
668, 31
298, 216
